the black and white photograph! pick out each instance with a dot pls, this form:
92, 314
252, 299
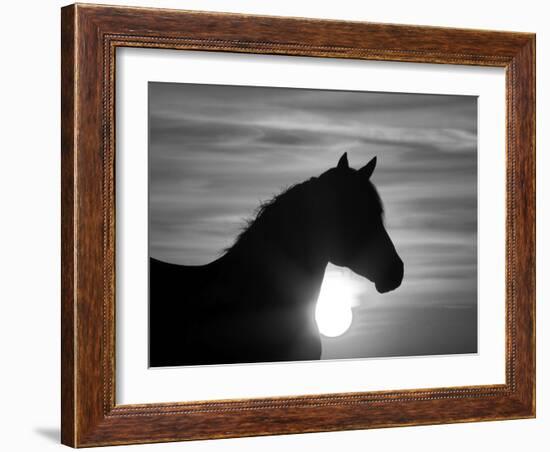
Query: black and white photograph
292, 224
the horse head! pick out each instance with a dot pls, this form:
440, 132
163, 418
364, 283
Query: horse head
353, 220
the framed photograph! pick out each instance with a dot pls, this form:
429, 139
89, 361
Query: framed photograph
281, 225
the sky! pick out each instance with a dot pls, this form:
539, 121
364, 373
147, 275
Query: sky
216, 152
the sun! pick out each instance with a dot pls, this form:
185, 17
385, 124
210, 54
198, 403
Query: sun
333, 312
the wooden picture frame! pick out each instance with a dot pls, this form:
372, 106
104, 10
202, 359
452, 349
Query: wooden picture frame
90, 36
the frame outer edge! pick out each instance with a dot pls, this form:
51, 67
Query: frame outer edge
68, 230
534, 226
525, 62
86, 419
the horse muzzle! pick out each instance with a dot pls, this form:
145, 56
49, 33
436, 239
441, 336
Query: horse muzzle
392, 277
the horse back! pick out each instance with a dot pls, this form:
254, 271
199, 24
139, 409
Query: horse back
173, 294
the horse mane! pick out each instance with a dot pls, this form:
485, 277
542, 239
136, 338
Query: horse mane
262, 213
288, 199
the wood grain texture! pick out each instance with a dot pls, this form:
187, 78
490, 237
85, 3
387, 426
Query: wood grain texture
90, 36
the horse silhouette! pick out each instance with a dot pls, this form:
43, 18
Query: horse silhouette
257, 302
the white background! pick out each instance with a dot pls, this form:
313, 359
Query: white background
29, 258
138, 384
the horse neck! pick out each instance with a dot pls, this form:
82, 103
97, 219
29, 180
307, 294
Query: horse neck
286, 238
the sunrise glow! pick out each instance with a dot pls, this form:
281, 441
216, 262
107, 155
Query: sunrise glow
333, 312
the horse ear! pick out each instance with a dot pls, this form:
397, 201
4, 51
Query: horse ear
367, 170
343, 162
